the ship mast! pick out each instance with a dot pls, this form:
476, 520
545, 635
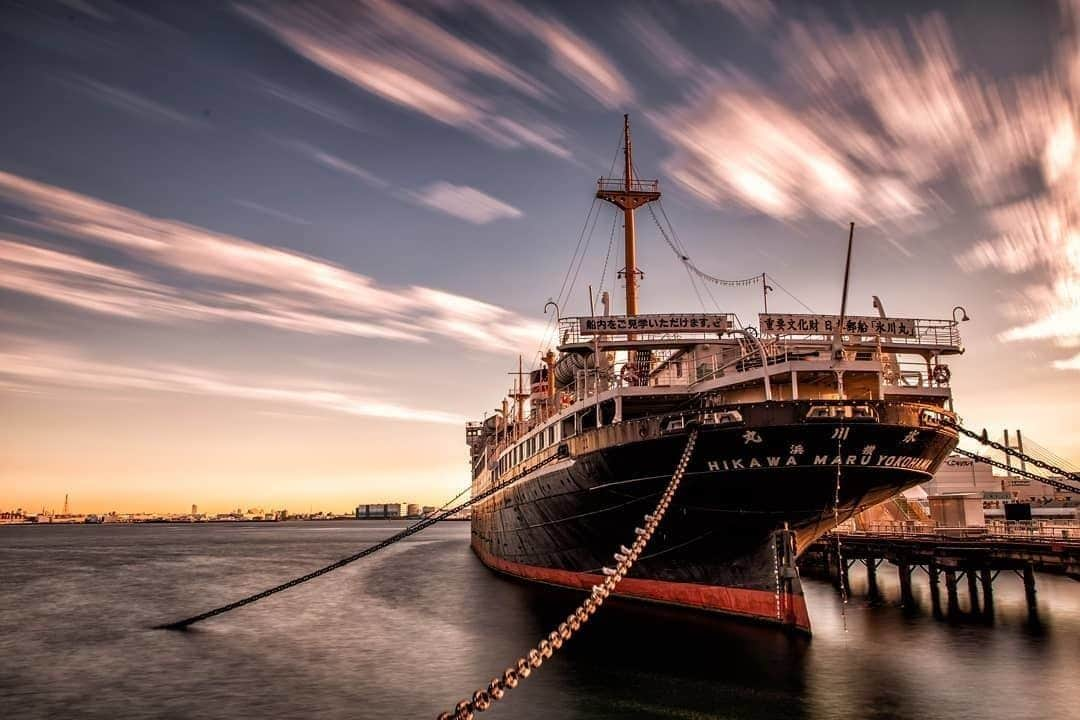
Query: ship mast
628, 194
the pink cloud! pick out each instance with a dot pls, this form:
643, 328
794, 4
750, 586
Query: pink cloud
39, 365
231, 279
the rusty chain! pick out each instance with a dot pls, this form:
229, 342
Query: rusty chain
485, 697
985, 440
1017, 471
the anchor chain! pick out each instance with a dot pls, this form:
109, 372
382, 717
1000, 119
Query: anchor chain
982, 438
411, 530
485, 697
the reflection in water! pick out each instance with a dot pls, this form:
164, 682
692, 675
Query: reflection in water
410, 631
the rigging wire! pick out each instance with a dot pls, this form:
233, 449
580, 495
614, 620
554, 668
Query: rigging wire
550, 327
689, 273
685, 258
1041, 452
790, 294
607, 257
581, 260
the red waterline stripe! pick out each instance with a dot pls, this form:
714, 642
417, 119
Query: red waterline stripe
757, 604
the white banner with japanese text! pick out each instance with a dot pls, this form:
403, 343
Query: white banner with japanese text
662, 324
864, 325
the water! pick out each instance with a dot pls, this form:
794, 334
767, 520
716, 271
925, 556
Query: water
409, 631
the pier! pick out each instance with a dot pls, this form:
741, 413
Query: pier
957, 558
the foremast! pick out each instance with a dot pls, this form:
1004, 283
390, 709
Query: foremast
628, 194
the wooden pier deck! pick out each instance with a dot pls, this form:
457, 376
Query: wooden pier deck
956, 555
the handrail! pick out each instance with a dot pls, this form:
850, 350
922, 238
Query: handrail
619, 185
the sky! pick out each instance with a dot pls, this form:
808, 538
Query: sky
274, 254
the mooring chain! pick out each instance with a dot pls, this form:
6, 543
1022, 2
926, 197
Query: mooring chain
982, 438
1017, 471
411, 530
485, 697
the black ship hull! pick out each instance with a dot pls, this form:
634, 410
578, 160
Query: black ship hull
756, 493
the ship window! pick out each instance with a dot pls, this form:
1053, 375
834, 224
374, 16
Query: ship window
607, 412
551, 434
588, 418
569, 428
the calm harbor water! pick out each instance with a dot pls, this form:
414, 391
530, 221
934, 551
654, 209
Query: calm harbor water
409, 631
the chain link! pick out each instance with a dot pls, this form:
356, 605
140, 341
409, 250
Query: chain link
1017, 471
485, 697
1011, 451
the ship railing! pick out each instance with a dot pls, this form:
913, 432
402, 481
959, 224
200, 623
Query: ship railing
608, 185
914, 332
570, 334
901, 373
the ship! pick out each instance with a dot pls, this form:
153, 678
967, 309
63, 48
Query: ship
801, 423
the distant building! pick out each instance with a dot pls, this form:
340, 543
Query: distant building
959, 474
957, 510
413, 510
430, 510
194, 509
383, 511
1023, 488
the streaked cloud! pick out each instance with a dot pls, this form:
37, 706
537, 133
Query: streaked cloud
737, 144
1072, 363
86, 8
280, 215
131, 102
868, 123
406, 59
647, 26
337, 163
579, 61
226, 278
466, 203
309, 104
30, 364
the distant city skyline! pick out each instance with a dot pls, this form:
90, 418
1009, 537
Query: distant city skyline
284, 250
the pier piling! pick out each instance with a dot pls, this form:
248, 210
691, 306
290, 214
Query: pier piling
973, 589
935, 588
906, 597
1029, 592
950, 589
987, 579
871, 578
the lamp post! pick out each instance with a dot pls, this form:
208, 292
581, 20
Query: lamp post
963, 317
556, 306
